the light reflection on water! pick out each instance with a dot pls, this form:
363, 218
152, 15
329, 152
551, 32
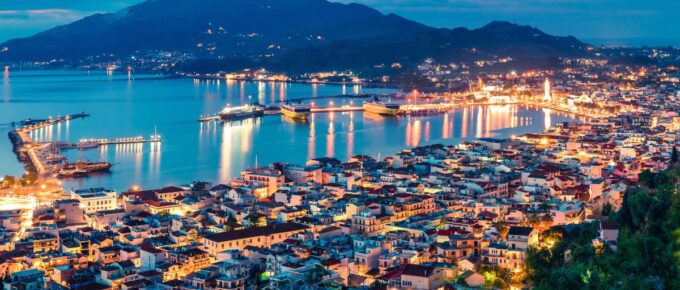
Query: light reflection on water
215, 151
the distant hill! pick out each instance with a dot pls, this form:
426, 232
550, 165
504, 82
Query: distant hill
285, 34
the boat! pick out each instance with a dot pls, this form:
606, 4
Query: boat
241, 112
88, 145
382, 108
296, 111
83, 168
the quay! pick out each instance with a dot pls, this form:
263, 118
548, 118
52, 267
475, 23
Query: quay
114, 141
271, 112
429, 109
35, 155
30, 124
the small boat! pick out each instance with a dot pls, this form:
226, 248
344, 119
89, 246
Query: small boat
296, 111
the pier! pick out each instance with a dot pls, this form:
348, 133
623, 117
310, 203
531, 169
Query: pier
431, 109
30, 124
36, 155
270, 112
114, 141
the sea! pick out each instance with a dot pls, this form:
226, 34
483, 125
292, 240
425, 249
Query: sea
124, 105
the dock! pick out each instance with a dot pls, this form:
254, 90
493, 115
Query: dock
115, 141
271, 112
30, 124
36, 155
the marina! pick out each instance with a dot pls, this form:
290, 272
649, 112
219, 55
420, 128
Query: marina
45, 158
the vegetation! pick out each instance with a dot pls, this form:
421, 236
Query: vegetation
648, 247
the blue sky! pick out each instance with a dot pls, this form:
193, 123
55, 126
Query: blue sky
636, 22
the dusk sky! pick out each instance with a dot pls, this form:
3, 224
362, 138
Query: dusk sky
630, 22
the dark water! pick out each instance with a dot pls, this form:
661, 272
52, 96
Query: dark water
123, 106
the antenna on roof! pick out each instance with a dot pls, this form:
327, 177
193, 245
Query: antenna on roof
255, 161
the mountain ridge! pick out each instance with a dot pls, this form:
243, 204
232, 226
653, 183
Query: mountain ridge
279, 32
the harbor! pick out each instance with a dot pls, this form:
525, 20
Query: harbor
425, 109
46, 159
190, 150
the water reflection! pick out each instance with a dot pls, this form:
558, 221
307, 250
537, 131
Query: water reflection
6, 90
216, 152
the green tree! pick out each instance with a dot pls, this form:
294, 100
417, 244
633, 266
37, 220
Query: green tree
648, 246
253, 220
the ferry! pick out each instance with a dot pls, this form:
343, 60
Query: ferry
378, 107
296, 111
241, 112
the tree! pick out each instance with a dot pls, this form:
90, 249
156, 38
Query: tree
648, 245
314, 276
674, 157
607, 209
253, 220
378, 285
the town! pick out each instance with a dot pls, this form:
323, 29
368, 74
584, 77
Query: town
453, 216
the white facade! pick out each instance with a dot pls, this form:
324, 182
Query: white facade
95, 199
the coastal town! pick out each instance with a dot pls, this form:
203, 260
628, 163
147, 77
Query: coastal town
437, 216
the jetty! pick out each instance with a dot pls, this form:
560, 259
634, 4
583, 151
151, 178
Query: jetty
38, 156
271, 112
114, 141
31, 124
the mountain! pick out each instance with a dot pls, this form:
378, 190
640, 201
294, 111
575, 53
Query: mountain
221, 27
281, 34
497, 38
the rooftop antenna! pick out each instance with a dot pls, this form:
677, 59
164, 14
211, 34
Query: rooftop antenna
255, 161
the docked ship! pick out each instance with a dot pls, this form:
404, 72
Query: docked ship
296, 111
84, 145
241, 112
382, 108
83, 168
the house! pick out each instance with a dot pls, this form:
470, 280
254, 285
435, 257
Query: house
31, 279
257, 237
609, 233
421, 277
473, 279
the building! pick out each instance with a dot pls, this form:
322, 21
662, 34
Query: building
95, 199
31, 279
421, 277
271, 179
257, 237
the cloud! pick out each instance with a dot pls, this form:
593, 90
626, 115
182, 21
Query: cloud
40, 14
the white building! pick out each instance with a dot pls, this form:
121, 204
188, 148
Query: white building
95, 199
